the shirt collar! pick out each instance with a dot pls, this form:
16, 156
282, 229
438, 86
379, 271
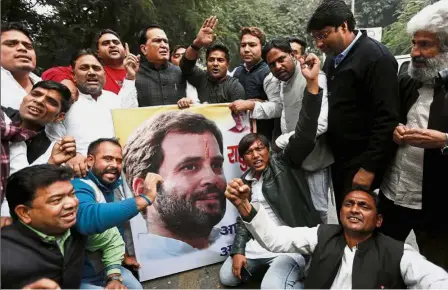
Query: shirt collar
338, 59
89, 97
48, 238
105, 188
254, 67
152, 66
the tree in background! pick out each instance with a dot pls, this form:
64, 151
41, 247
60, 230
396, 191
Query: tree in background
69, 25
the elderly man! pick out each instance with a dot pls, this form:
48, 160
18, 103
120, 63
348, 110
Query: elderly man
412, 192
18, 60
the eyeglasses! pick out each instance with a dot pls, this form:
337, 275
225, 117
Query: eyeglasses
321, 36
250, 152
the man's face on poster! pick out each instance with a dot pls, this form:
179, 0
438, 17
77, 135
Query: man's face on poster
194, 182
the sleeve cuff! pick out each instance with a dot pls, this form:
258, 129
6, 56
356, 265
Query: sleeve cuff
113, 269
128, 82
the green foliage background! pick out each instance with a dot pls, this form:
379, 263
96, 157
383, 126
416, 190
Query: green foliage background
71, 24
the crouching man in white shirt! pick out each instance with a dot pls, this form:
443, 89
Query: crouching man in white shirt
351, 255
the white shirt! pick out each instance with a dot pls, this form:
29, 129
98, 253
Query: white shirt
12, 92
403, 181
253, 249
89, 119
416, 271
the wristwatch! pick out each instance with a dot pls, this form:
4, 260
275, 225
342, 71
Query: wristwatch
115, 278
445, 149
195, 47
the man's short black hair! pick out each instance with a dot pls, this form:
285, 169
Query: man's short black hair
8, 26
248, 140
173, 51
298, 41
83, 52
220, 47
367, 190
22, 185
331, 13
101, 33
142, 34
281, 43
65, 93
92, 149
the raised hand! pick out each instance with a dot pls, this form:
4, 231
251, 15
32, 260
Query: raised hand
150, 185
310, 65
131, 63
206, 35
63, 150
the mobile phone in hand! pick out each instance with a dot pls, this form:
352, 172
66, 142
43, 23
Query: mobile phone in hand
245, 274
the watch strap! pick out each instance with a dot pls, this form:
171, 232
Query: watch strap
145, 198
195, 47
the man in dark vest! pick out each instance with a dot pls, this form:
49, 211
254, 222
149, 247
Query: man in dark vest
42, 242
352, 255
412, 193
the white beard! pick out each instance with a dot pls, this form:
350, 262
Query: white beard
433, 66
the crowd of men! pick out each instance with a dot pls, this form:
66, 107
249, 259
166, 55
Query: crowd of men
350, 127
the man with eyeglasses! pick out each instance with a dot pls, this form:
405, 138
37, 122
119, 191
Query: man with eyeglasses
277, 183
362, 98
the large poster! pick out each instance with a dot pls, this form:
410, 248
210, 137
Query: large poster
190, 224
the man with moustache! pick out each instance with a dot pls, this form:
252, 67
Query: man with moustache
102, 205
90, 116
213, 86
158, 82
412, 192
186, 150
18, 60
42, 242
111, 51
353, 255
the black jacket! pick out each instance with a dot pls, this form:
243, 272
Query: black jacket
435, 164
376, 264
36, 146
26, 258
363, 106
210, 91
157, 87
284, 184
253, 83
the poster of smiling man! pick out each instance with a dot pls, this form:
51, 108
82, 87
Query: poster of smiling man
190, 224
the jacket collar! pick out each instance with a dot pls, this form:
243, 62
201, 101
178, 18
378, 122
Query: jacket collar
145, 62
102, 187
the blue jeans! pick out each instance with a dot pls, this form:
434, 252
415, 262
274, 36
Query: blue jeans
283, 273
99, 282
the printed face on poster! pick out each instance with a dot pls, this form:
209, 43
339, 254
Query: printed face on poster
190, 224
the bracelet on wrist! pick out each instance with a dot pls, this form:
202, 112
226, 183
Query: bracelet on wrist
145, 198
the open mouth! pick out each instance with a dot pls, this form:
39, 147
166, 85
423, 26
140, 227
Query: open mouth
114, 51
215, 71
355, 219
34, 110
69, 216
92, 81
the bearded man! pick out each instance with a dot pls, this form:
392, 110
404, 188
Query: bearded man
412, 192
